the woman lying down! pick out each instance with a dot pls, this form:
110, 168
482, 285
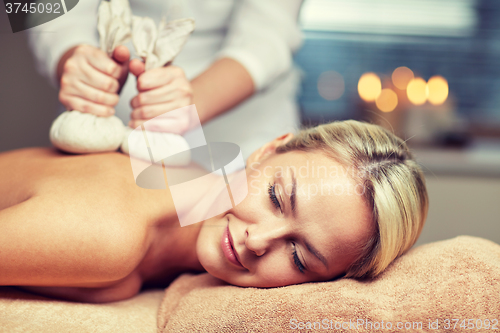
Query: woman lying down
79, 228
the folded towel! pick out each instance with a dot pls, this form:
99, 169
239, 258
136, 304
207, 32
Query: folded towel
21, 312
429, 286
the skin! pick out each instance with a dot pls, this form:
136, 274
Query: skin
336, 224
91, 81
87, 242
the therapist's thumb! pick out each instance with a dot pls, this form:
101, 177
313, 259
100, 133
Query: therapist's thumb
121, 54
137, 67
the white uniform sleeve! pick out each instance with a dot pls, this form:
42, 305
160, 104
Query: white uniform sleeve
51, 40
262, 36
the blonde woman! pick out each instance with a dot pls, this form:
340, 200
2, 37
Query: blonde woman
78, 228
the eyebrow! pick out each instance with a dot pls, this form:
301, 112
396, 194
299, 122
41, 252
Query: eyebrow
292, 195
316, 253
293, 204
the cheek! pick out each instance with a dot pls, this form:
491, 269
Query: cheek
277, 272
267, 273
207, 243
258, 181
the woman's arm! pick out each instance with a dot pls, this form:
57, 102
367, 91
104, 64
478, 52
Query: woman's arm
120, 290
222, 86
258, 48
51, 240
262, 36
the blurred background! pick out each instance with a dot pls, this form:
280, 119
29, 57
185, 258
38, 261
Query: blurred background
428, 70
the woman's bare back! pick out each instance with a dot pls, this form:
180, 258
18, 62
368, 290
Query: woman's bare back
73, 222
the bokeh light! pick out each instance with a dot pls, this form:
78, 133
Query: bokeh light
331, 85
417, 91
369, 87
387, 100
437, 88
401, 77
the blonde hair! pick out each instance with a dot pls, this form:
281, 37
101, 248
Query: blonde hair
394, 186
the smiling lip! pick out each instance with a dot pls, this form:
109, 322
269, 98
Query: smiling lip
228, 249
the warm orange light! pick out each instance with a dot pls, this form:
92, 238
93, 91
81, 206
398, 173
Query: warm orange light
417, 91
369, 87
401, 77
438, 90
387, 100
331, 85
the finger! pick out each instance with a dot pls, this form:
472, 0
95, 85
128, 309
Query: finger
123, 75
157, 77
121, 54
137, 67
161, 124
103, 63
99, 80
150, 111
135, 123
163, 94
92, 94
76, 103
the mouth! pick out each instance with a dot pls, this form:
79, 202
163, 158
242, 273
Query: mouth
228, 248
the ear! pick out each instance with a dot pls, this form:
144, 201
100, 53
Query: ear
269, 148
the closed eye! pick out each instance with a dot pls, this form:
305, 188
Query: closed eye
276, 203
272, 196
296, 259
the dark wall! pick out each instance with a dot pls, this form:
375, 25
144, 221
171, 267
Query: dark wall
27, 103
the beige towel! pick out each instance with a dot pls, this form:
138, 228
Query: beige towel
21, 312
431, 285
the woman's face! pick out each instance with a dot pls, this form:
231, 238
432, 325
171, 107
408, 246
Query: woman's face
304, 219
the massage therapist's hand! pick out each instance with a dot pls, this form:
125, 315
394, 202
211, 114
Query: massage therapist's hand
161, 90
90, 80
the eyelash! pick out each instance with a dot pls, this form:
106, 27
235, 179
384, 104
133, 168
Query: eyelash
272, 196
296, 260
276, 203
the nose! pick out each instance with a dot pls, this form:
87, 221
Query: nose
261, 237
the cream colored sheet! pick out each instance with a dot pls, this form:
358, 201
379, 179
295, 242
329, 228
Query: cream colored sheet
26, 313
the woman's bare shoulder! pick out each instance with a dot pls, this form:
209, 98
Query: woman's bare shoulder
42, 171
49, 156
28, 154
49, 244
